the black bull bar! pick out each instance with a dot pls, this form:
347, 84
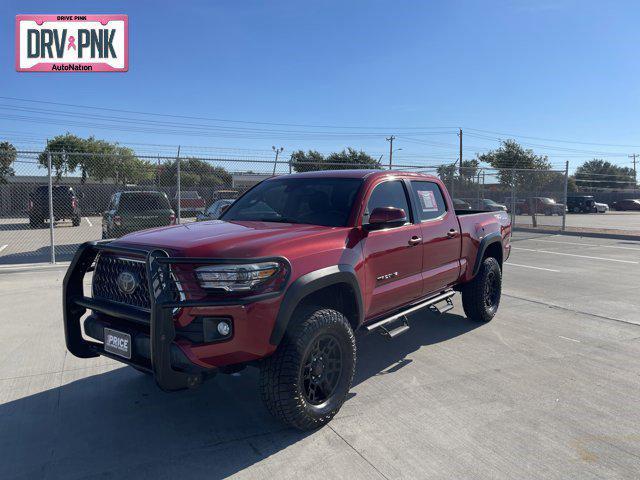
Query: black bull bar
160, 318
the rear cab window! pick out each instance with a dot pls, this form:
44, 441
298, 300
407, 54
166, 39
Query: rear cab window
429, 200
143, 201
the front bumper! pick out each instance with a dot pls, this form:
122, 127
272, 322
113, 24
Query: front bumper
155, 346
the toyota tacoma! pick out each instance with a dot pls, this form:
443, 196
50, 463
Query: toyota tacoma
282, 281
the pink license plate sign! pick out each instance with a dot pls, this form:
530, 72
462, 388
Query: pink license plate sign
72, 43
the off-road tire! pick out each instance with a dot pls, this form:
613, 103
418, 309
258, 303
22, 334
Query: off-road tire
477, 306
282, 386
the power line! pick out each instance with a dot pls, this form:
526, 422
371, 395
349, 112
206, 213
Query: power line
190, 117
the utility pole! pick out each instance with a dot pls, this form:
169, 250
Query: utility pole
278, 151
52, 240
390, 140
460, 157
635, 174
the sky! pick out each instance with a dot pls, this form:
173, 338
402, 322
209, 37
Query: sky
561, 77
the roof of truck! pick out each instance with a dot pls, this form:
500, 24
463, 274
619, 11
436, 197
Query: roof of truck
356, 173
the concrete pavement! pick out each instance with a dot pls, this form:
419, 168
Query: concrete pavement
548, 389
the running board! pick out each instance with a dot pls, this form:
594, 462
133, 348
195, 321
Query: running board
431, 302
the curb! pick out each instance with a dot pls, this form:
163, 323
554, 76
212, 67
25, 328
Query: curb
32, 267
614, 236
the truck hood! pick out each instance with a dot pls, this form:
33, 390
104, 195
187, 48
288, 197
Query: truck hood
218, 238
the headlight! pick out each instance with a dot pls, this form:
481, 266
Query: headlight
236, 278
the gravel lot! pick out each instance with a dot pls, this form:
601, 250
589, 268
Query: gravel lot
548, 389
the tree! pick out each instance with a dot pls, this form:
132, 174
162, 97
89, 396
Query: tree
60, 147
468, 171
194, 172
344, 160
8, 155
98, 159
511, 158
446, 173
307, 162
599, 173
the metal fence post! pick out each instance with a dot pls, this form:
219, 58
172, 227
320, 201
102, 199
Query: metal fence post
566, 181
178, 193
513, 198
52, 241
453, 179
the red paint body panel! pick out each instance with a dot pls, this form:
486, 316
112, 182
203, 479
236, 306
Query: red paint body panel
390, 271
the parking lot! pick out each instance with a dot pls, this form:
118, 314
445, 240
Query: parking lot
20, 244
548, 389
612, 220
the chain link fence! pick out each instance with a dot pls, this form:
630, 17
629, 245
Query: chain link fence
46, 210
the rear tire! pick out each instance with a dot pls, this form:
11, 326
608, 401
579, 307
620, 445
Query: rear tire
306, 381
481, 296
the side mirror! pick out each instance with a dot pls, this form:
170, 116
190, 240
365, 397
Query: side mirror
224, 208
386, 217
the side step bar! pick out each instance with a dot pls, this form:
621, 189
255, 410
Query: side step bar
430, 302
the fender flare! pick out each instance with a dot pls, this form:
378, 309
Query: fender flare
490, 239
306, 285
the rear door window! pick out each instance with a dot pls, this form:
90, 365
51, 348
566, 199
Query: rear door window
429, 200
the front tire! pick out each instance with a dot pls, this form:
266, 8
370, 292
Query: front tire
306, 381
481, 296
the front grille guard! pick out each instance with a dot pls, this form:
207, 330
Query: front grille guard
160, 317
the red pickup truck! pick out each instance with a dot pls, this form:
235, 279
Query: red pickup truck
282, 281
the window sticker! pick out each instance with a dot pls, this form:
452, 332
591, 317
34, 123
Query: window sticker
427, 201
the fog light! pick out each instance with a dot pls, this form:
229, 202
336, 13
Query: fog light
224, 328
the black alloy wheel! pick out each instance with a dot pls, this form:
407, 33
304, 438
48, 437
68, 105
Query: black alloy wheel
321, 370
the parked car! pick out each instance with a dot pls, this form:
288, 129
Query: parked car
190, 202
460, 204
601, 207
507, 203
538, 205
297, 264
65, 205
136, 210
491, 205
214, 211
627, 204
581, 204
225, 195
482, 204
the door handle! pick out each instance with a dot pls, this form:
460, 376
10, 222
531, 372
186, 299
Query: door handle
415, 240
452, 233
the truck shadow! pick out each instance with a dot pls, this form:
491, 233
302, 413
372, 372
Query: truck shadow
118, 424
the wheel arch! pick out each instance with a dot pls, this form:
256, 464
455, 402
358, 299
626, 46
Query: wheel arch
335, 286
490, 246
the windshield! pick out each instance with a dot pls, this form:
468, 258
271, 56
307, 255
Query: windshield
314, 201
